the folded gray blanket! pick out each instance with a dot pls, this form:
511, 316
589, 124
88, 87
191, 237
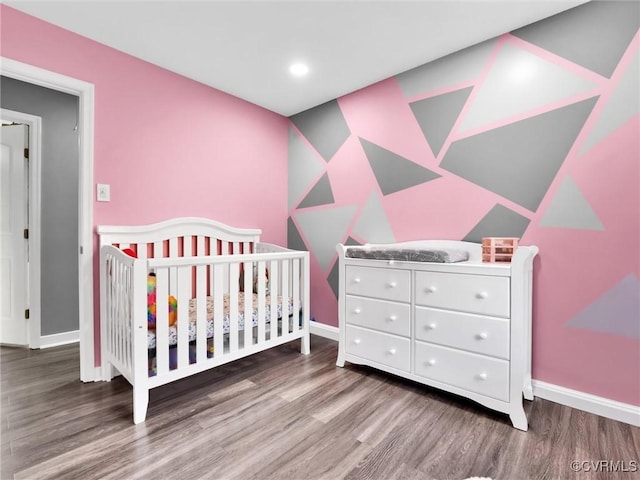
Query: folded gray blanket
409, 254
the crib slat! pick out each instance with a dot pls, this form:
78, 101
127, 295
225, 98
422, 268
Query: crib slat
273, 282
224, 248
201, 312
296, 297
262, 295
248, 302
187, 246
114, 269
218, 310
183, 294
129, 318
158, 249
285, 296
141, 251
120, 313
162, 320
200, 246
234, 275
173, 278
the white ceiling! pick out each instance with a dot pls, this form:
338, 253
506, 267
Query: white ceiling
245, 47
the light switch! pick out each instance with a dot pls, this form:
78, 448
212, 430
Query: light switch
104, 192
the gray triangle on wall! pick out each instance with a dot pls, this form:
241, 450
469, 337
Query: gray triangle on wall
519, 161
394, 172
372, 224
594, 35
294, 239
499, 222
303, 167
324, 127
615, 312
320, 194
324, 229
569, 209
437, 115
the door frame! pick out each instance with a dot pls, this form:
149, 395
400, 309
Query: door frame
85, 93
34, 212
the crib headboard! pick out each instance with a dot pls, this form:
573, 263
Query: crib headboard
186, 236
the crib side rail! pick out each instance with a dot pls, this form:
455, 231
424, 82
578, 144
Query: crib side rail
263, 298
122, 302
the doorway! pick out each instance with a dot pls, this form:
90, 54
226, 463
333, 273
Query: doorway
20, 229
85, 93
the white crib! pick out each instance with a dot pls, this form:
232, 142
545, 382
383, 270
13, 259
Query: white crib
207, 271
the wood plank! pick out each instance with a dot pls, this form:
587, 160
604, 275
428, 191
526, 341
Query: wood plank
279, 414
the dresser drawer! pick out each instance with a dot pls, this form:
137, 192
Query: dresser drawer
482, 294
476, 333
384, 283
390, 317
383, 348
469, 371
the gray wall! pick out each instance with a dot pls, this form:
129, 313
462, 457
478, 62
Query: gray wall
59, 269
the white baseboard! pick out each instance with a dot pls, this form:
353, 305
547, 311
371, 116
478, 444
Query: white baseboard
622, 412
326, 331
57, 339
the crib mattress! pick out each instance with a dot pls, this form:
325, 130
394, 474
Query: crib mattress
173, 331
409, 254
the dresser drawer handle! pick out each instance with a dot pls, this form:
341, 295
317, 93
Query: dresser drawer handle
357, 311
483, 335
356, 280
393, 284
431, 289
482, 295
391, 262
431, 362
432, 326
392, 351
483, 376
393, 318
357, 341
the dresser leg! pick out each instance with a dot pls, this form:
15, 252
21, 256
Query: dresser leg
518, 417
340, 361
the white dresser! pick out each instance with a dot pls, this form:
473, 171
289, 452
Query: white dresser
461, 327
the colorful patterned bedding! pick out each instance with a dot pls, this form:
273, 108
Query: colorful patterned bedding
173, 331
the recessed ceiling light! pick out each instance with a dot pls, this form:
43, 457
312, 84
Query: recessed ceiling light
298, 69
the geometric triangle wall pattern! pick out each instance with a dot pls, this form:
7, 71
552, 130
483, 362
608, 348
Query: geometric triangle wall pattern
499, 222
569, 209
520, 160
324, 127
294, 239
616, 312
303, 167
393, 172
436, 115
324, 229
595, 35
459, 67
519, 82
320, 194
372, 224
623, 104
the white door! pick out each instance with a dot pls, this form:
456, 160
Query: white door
13, 246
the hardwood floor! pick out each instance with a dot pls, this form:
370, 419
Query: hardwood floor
279, 414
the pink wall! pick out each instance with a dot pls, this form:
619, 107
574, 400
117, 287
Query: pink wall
586, 314
167, 145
